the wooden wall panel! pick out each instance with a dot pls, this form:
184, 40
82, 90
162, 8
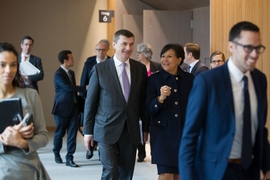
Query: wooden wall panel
224, 14
111, 26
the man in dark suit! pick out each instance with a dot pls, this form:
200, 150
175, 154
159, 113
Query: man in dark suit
192, 64
65, 109
101, 50
224, 135
27, 44
114, 104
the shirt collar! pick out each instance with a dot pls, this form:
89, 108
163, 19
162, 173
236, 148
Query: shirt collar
235, 72
64, 68
193, 64
117, 62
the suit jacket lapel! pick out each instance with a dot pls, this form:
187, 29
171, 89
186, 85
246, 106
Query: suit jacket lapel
62, 71
194, 67
133, 76
226, 82
114, 75
257, 87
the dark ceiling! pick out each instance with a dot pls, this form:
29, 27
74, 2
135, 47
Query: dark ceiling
177, 5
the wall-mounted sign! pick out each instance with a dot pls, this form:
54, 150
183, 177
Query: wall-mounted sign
105, 15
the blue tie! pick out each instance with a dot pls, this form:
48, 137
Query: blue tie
188, 69
125, 81
246, 157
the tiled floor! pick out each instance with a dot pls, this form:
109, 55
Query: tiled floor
89, 169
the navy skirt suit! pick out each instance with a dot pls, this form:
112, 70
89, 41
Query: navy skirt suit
168, 118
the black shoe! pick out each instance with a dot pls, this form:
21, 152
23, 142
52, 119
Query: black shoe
71, 163
58, 159
140, 159
89, 154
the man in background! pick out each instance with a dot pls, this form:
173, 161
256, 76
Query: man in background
101, 50
192, 56
65, 108
27, 44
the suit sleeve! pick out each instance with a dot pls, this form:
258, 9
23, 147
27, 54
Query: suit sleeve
144, 116
37, 77
84, 78
266, 146
90, 108
195, 117
152, 104
202, 69
62, 81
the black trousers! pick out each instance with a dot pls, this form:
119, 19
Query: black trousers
237, 172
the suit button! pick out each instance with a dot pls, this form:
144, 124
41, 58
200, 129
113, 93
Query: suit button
155, 106
158, 122
176, 115
176, 103
175, 90
176, 78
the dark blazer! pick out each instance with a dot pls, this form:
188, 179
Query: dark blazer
86, 73
64, 91
154, 66
168, 118
107, 119
198, 68
33, 79
210, 127
184, 66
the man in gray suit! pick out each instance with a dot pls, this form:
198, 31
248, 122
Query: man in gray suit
192, 64
114, 104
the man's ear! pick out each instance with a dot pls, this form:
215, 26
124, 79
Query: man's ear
113, 44
231, 46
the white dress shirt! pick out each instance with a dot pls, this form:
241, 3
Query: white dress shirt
118, 67
236, 77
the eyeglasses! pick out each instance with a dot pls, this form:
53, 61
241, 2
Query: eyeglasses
101, 50
249, 48
217, 61
28, 44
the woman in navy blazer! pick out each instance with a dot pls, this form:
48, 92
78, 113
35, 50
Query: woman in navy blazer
167, 96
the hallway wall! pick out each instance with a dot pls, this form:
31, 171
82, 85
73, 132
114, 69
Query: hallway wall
55, 26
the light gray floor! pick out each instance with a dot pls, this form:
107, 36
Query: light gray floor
89, 169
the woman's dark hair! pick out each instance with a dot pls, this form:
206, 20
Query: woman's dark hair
18, 80
177, 48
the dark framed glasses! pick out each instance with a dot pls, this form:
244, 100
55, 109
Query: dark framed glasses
249, 48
